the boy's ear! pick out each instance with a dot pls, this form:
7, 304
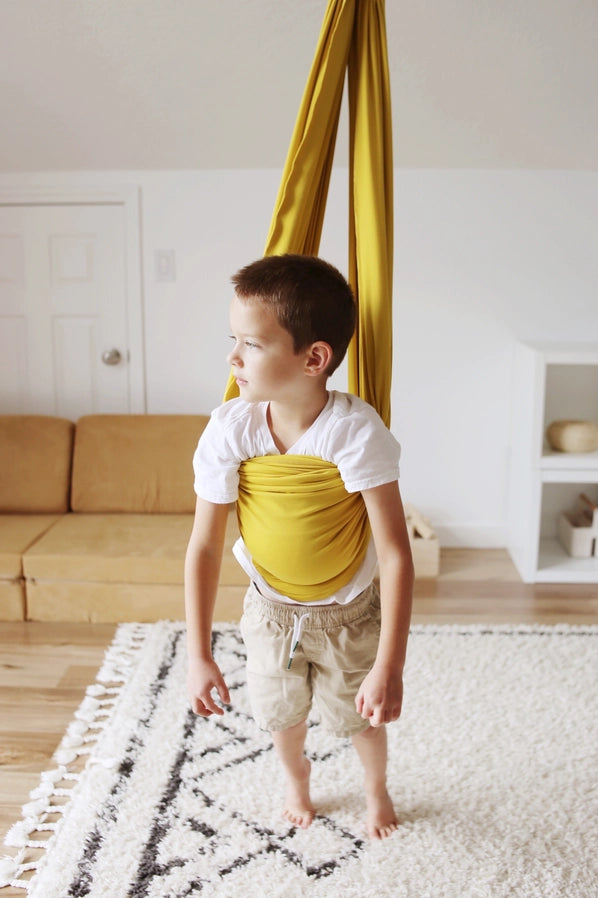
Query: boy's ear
319, 356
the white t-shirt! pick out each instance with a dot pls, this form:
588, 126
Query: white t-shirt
348, 433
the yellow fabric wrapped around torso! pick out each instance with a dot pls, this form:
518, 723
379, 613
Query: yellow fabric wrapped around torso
306, 534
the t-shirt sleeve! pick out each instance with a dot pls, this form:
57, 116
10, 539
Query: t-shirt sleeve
215, 464
366, 453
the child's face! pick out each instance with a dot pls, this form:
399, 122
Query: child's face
263, 358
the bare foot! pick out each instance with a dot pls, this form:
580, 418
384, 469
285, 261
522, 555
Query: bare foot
298, 808
381, 819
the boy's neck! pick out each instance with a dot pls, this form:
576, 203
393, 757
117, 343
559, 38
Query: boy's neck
288, 422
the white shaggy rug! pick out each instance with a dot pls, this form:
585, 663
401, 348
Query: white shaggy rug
493, 769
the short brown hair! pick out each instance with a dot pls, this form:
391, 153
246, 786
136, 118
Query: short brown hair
310, 298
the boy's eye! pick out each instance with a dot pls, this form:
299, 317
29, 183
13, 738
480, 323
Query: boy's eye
249, 343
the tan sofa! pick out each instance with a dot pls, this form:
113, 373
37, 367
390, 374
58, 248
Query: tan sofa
95, 518
35, 472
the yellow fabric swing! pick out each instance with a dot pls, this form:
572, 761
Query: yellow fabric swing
318, 519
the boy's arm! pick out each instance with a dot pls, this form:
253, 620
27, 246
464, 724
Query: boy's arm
380, 696
202, 571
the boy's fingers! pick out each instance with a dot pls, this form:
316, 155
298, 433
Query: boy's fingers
366, 711
199, 707
207, 703
224, 693
378, 715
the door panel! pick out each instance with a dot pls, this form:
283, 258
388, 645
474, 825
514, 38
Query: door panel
62, 305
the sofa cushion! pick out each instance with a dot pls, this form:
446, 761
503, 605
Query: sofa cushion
61, 600
135, 463
66, 600
17, 533
35, 463
121, 548
12, 600
126, 548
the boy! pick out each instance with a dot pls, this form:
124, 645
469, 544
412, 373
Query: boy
313, 621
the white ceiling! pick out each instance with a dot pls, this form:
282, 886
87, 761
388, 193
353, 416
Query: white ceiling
186, 84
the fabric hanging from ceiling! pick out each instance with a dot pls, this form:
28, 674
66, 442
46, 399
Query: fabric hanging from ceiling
353, 40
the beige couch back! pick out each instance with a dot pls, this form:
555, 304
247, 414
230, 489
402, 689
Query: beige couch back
35, 464
135, 463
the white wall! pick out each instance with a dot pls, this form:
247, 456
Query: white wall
482, 258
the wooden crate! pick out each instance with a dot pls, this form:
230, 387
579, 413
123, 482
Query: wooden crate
578, 530
425, 547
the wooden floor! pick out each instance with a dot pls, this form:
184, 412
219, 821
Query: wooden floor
45, 668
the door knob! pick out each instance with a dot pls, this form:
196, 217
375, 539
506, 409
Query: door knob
111, 357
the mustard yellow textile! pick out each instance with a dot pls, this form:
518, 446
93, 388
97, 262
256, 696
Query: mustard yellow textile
371, 208
314, 541
306, 534
353, 36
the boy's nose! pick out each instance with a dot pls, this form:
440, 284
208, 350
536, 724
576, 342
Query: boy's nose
233, 358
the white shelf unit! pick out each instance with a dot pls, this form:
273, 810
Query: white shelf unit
550, 382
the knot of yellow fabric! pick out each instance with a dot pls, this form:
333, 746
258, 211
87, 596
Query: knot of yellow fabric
310, 544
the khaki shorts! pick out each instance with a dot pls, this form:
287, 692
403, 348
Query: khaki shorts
337, 649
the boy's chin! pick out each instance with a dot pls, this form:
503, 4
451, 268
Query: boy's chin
246, 393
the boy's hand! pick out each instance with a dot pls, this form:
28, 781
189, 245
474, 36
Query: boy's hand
380, 696
202, 678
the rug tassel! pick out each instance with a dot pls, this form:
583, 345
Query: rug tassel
12, 870
80, 739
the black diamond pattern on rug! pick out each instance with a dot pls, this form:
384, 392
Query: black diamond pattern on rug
199, 793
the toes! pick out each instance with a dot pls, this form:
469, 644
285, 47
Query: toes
383, 832
300, 820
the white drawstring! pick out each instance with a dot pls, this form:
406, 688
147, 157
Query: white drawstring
297, 630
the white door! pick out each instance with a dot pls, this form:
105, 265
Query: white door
64, 347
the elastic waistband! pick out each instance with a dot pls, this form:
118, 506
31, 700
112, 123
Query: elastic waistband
321, 617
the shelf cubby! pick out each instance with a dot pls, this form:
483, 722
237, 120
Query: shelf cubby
550, 382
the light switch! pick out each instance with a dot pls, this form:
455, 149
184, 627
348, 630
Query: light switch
164, 264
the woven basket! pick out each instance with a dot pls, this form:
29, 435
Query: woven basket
573, 436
